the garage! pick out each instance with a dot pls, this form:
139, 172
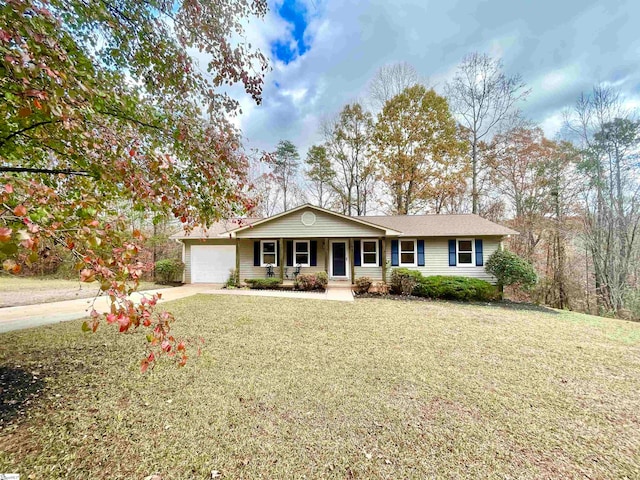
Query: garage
211, 263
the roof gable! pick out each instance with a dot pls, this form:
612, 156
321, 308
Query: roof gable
310, 221
326, 223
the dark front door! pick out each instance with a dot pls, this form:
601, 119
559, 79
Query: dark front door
339, 254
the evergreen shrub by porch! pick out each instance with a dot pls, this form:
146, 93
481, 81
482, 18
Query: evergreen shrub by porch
455, 288
404, 280
322, 280
263, 283
168, 270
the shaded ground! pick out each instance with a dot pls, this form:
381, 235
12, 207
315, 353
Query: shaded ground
15, 291
292, 388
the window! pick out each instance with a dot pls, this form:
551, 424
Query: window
407, 252
465, 252
301, 253
269, 252
369, 253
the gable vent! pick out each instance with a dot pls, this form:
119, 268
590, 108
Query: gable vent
308, 218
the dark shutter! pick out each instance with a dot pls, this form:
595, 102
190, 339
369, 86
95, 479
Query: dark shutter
289, 253
356, 253
380, 259
479, 259
421, 253
256, 253
452, 253
394, 253
313, 255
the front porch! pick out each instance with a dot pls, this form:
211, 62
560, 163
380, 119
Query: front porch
343, 259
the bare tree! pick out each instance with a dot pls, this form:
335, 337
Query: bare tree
391, 80
348, 144
609, 140
482, 96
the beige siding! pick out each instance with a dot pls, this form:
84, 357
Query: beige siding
326, 225
186, 252
437, 259
375, 273
248, 270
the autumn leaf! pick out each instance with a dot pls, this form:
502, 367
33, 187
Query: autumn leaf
5, 234
87, 275
20, 211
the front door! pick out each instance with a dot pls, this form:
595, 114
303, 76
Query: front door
339, 259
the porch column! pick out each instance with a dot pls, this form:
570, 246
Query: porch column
281, 260
383, 259
326, 255
238, 259
351, 261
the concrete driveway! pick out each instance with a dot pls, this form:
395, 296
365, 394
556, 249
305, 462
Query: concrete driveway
27, 316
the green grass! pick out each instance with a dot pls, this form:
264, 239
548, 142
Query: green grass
291, 388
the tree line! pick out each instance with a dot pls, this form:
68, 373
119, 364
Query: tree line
407, 149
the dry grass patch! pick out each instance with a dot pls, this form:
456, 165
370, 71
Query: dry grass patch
290, 388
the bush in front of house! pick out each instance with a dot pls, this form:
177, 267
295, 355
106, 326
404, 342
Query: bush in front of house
169, 270
311, 281
233, 280
455, 288
404, 280
363, 284
263, 283
322, 280
511, 269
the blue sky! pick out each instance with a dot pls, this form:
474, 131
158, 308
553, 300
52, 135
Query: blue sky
324, 52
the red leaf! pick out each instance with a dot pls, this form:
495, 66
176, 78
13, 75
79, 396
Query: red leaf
5, 234
87, 275
8, 188
20, 211
144, 365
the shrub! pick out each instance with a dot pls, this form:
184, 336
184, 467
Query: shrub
363, 284
510, 269
169, 270
455, 288
305, 281
233, 279
312, 281
263, 283
322, 280
379, 288
404, 280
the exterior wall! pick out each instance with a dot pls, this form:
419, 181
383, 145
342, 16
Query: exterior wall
248, 270
374, 273
436, 259
326, 225
436, 251
186, 253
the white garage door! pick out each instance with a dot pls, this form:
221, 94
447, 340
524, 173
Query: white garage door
211, 263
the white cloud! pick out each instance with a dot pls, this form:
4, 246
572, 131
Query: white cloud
559, 54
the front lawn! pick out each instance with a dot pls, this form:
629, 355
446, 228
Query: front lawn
292, 388
15, 291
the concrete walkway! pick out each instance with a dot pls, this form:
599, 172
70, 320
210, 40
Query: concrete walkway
340, 294
28, 316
